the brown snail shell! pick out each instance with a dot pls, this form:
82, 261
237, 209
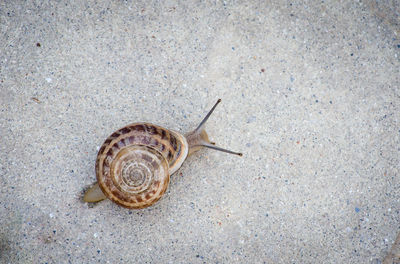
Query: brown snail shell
134, 163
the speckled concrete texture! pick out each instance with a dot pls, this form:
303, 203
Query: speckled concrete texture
310, 94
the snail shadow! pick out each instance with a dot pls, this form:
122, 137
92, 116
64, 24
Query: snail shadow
393, 255
5, 250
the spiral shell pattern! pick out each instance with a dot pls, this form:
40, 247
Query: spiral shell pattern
134, 163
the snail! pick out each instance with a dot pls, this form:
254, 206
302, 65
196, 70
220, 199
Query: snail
134, 164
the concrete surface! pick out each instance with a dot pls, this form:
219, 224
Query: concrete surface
310, 94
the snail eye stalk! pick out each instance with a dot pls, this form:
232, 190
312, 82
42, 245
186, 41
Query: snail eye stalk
198, 138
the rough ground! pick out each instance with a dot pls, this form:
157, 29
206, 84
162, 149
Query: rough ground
310, 95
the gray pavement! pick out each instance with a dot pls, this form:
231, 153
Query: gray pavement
310, 94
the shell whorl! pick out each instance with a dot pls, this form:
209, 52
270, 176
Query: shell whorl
134, 163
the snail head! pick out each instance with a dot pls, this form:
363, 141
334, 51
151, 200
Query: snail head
198, 138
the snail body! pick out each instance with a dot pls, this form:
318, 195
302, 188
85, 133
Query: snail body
134, 164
